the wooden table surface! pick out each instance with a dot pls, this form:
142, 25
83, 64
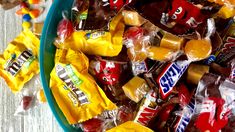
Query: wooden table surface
39, 119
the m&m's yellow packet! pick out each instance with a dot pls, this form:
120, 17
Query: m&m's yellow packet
19, 63
103, 43
130, 126
75, 91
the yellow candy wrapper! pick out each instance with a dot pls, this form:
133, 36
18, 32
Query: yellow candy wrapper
130, 126
101, 43
75, 91
18, 63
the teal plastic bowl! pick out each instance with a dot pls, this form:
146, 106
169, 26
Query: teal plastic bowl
46, 57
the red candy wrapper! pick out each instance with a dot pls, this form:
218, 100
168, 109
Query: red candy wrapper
65, 28
215, 97
111, 75
176, 16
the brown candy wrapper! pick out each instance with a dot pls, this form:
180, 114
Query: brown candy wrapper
95, 15
176, 16
227, 50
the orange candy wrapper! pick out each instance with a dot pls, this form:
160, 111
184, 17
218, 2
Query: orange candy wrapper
18, 63
75, 91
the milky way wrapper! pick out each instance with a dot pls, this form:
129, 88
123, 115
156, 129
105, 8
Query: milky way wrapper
102, 43
75, 91
19, 63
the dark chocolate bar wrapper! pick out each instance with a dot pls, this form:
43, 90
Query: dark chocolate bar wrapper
227, 50
180, 117
100, 13
79, 13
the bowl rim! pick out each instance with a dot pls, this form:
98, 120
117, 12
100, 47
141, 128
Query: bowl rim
46, 88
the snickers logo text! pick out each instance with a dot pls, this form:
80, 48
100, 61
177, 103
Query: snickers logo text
186, 116
170, 76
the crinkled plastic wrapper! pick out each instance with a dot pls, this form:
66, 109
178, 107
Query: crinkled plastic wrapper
131, 127
18, 63
101, 43
75, 91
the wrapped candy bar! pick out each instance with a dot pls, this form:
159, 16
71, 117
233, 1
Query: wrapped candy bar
180, 117
79, 13
164, 76
148, 109
75, 91
176, 16
99, 13
111, 75
103, 43
19, 61
227, 50
168, 65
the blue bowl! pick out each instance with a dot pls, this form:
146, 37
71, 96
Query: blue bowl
46, 57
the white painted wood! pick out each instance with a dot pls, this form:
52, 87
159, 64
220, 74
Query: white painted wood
39, 119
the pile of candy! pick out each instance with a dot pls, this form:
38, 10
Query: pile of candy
19, 62
34, 14
147, 65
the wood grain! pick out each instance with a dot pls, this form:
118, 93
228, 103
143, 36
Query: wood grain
39, 119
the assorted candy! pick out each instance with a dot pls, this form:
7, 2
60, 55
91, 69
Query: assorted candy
33, 13
162, 65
